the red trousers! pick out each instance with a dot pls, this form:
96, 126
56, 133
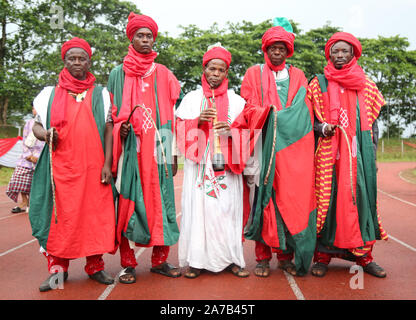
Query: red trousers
128, 259
264, 252
325, 258
94, 264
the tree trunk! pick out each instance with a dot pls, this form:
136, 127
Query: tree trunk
4, 104
4, 101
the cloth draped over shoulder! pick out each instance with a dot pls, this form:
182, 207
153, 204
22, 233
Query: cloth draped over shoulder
146, 212
285, 196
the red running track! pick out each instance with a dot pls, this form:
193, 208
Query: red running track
23, 268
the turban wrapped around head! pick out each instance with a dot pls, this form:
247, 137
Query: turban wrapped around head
76, 43
217, 52
137, 21
275, 34
347, 37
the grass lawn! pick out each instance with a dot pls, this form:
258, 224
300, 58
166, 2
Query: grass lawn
6, 172
5, 175
393, 150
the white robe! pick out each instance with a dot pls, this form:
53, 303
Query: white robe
212, 209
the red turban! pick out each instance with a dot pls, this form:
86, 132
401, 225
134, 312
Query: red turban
76, 43
137, 21
217, 53
278, 34
347, 37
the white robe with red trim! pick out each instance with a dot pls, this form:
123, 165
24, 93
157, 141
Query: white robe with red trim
212, 207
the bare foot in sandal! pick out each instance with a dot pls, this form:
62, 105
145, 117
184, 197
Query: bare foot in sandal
166, 269
319, 269
192, 273
127, 275
238, 271
287, 266
262, 269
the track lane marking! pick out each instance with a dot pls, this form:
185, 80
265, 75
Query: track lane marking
18, 247
396, 198
293, 285
403, 178
13, 215
402, 243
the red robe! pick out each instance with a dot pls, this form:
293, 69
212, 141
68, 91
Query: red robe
85, 206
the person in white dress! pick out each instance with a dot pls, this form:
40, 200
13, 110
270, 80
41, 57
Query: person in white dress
211, 229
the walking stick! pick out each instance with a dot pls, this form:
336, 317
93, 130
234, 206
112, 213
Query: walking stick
350, 158
266, 179
52, 180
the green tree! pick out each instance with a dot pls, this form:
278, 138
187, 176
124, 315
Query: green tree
183, 55
32, 35
393, 67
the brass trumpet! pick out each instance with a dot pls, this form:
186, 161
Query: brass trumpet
218, 160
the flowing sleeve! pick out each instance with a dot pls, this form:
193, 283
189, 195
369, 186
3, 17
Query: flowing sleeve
40, 103
190, 138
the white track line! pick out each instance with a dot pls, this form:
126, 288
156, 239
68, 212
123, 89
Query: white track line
298, 293
404, 201
110, 287
402, 243
15, 248
404, 179
12, 215
391, 196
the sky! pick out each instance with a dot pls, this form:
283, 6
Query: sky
363, 18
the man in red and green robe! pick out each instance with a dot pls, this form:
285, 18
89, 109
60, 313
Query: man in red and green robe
76, 218
283, 211
142, 157
346, 104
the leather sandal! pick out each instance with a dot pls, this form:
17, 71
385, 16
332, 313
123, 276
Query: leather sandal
166, 270
18, 210
375, 270
319, 269
262, 269
287, 266
46, 285
238, 271
192, 273
127, 275
102, 277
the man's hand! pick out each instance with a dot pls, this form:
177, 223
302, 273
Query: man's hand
47, 138
106, 174
330, 130
222, 128
207, 115
32, 159
124, 130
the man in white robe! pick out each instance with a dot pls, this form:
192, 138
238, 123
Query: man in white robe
211, 236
